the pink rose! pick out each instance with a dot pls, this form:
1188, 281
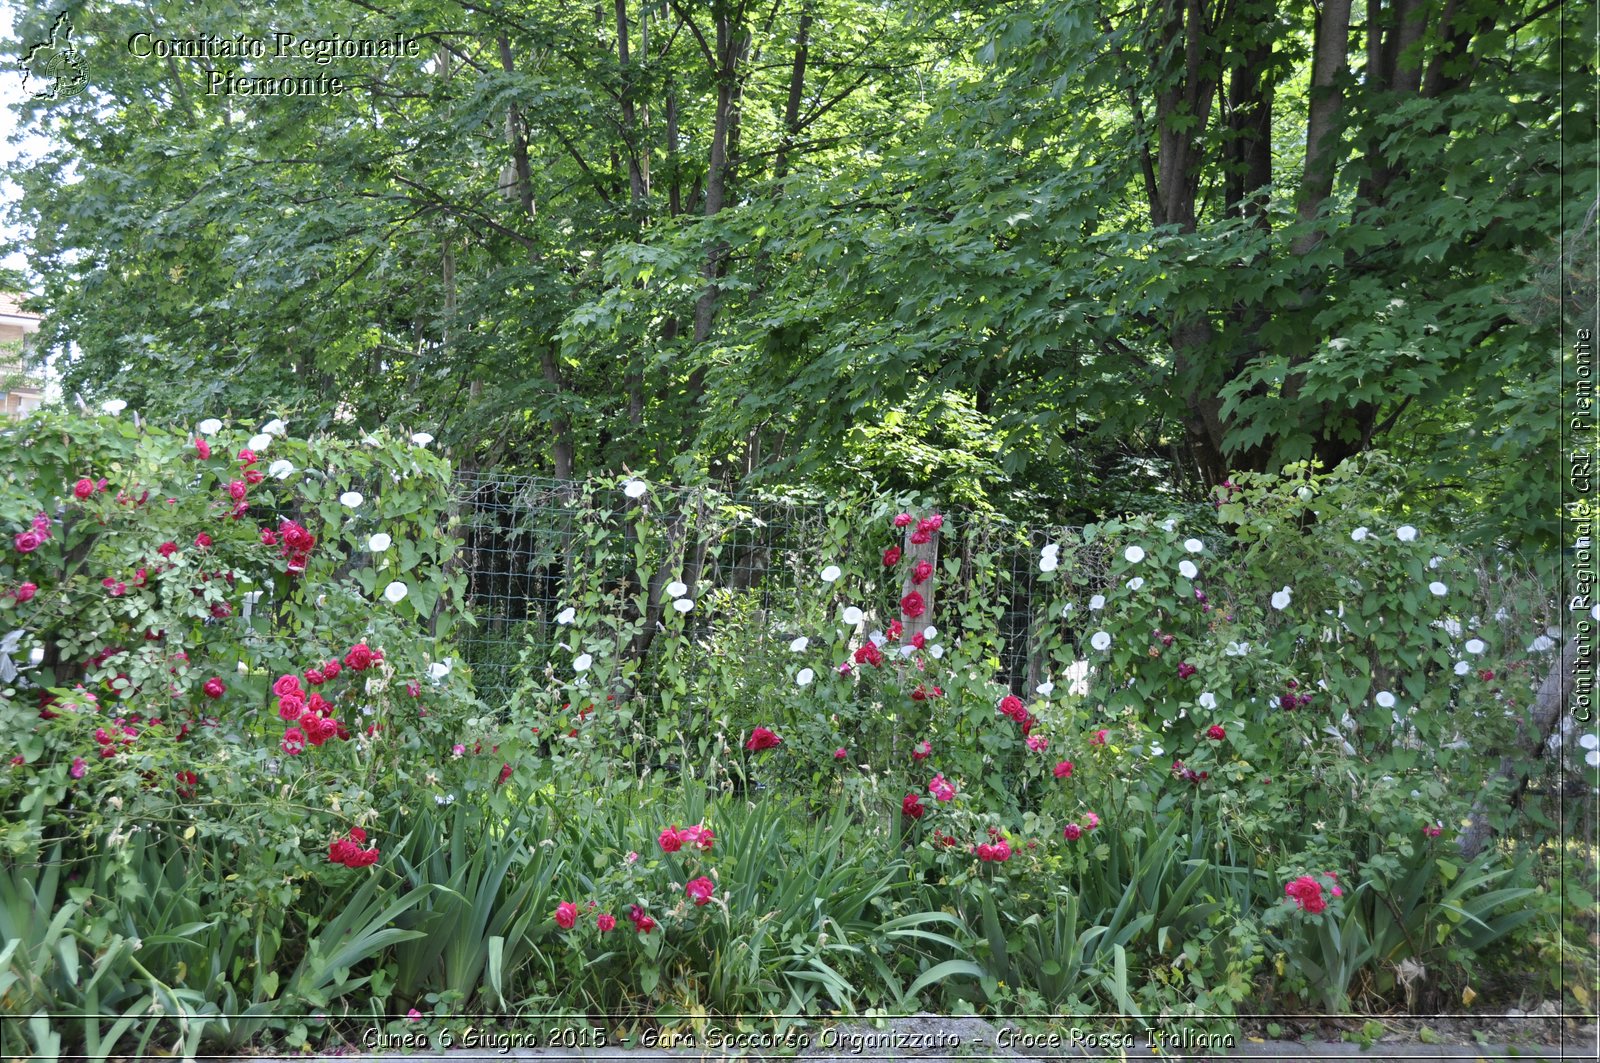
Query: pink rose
1037, 743
214, 688
941, 789
669, 840
901, 520
699, 890
1063, 769
1072, 832
25, 592
237, 489
566, 915
202, 448
605, 921
79, 766
286, 684
83, 489
27, 542
840, 753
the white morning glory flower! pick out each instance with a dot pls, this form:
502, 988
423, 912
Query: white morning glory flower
1435, 562
1169, 524
280, 469
582, 662
1187, 570
877, 639
1046, 688
1047, 564
1405, 533
567, 615
683, 605
1050, 550
351, 499
907, 651
1437, 589
1100, 641
421, 439
210, 426
1281, 599
1592, 758
930, 632
676, 589
1384, 699
1135, 583
1475, 646
1360, 533
1595, 612
804, 677
1590, 741
1237, 649
635, 488
831, 573
936, 652
1096, 603
1134, 554
275, 427
799, 645
1462, 668
395, 591
113, 406
852, 615
1194, 546
1208, 700
1541, 644
438, 670
379, 542
1451, 627
258, 443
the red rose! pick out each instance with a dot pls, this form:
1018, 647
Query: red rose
912, 605
83, 489
605, 921
919, 537
202, 448
332, 668
237, 489
1063, 769
202, 540
669, 840
923, 570
930, 523
186, 784
167, 549
214, 688
891, 556
1072, 832
911, 806
1011, 706
27, 542
361, 657
902, 519
247, 457
760, 739
699, 890
254, 476
315, 677
222, 610
286, 684
505, 773
1216, 733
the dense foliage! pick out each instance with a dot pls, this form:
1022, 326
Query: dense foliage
1065, 258
1239, 787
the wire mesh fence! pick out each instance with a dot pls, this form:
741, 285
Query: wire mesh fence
525, 538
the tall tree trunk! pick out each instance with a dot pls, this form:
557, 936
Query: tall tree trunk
561, 443
1549, 706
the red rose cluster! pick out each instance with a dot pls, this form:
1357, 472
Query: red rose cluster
673, 838
348, 851
1306, 892
310, 717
